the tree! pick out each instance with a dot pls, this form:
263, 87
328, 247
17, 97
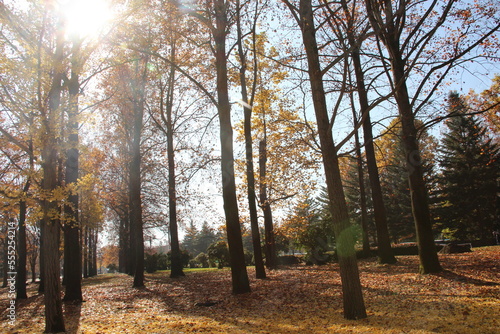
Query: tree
218, 252
394, 178
310, 228
469, 162
54, 321
487, 104
247, 109
407, 31
354, 307
71, 228
287, 158
356, 32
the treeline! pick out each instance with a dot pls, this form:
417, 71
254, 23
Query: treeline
461, 172
129, 126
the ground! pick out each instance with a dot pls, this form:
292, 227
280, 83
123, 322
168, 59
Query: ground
465, 298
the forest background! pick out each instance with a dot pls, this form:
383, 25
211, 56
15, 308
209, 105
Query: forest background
127, 124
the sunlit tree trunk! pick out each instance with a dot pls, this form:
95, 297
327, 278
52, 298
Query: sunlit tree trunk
135, 173
72, 251
270, 244
385, 253
390, 35
362, 197
21, 245
239, 274
5, 260
354, 307
54, 321
260, 271
85, 251
176, 261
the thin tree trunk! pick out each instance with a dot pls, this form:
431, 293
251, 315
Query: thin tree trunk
54, 321
21, 247
85, 252
135, 177
429, 261
176, 261
122, 251
41, 286
362, 198
354, 307
389, 34
33, 269
239, 274
72, 251
94, 252
271, 257
5, 260
385, 253
260, 271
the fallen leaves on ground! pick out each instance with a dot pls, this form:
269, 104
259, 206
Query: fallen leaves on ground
465, 298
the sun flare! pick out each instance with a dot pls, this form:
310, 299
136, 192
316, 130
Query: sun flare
86, 18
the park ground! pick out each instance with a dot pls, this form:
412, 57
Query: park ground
465, 298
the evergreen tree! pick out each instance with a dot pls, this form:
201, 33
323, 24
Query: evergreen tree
353, 198
394, 179
196, 240
469, 162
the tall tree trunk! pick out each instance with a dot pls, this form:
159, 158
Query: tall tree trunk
94, 251
33, 268
135, 176
389, 34
21, 246
260, 271
239, 274
429, 261
5, 260
354, 307
385, 253
85, 240
122, 249
41, 259
176, 261
362, 197
271, 257
54, 321
72, 251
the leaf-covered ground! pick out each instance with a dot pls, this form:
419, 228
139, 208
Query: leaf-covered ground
301, 299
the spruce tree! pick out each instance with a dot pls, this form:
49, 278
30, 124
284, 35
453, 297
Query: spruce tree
470, 165
394, 179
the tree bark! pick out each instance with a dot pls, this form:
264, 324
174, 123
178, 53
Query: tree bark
385, 253
135, 176
123, 262
72, 251
362, 197
389, 34
260, 271
85, 251
54, 321
354, 307
5, 261
239, 274
176, 261
21, 246
271, 258
94, 252
429, 261
41, 285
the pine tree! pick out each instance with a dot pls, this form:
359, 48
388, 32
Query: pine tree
394, 179
470, 165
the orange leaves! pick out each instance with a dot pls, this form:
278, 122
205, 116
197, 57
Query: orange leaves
297, 299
